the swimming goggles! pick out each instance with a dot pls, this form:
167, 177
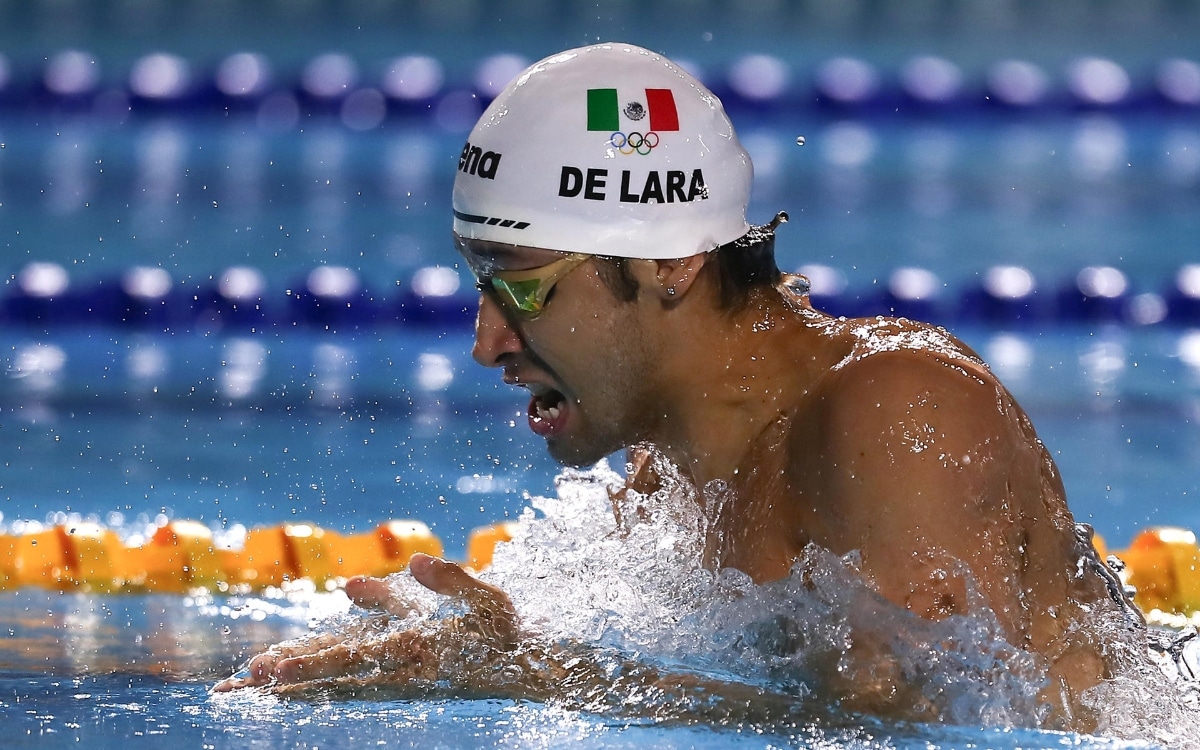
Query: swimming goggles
524, 292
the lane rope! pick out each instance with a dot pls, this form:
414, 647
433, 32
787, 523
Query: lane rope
1161, 565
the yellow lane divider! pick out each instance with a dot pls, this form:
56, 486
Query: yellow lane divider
1162, 564
182, 556
1163, 567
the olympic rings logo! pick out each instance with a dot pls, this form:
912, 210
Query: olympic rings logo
634, 143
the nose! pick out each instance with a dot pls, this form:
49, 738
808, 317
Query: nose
495, 336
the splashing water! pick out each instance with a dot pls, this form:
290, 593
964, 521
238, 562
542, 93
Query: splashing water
632, 607
574, 575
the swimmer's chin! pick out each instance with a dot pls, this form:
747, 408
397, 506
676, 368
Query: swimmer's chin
575, 457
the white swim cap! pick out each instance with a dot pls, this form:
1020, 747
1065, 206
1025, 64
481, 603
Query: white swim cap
607, 150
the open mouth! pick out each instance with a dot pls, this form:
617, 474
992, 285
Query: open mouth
547, 411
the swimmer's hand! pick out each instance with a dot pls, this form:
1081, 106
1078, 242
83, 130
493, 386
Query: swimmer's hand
406, 654
485, 652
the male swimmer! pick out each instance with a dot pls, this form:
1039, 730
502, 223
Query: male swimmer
600, 202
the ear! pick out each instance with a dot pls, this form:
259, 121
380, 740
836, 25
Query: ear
672, 279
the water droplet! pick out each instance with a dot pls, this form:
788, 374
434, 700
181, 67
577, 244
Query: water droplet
799, 140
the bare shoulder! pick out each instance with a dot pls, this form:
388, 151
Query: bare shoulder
911, 428
910, 340
919, 451
908, 365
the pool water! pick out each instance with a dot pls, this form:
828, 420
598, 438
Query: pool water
348, 430
140, 711
416, 430
954, 195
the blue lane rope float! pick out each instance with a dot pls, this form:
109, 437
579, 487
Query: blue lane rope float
42, 296
73, 81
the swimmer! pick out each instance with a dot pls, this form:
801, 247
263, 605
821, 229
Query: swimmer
601, 202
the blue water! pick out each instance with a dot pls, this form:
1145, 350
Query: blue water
195, 196
146, 712
347, 431
444, 443
345, 428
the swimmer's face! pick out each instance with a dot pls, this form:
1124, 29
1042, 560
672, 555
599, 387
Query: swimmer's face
581, 355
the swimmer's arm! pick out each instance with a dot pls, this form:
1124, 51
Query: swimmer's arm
938, 469
916, 461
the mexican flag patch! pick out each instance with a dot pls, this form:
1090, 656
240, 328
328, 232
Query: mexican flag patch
657, 106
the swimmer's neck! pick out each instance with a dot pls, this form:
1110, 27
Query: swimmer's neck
731, 377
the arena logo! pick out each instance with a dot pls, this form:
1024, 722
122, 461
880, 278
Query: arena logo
671, 186
478, 162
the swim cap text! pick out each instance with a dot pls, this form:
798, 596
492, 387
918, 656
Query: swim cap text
476, 161
672, 186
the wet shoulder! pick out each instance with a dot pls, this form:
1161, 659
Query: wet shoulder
903, 362
903, 339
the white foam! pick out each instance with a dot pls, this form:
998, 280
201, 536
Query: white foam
575, 576
632, 602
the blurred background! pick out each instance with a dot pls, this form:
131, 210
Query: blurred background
945, 134
229, 292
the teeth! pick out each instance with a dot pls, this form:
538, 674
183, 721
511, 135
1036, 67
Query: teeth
546, 414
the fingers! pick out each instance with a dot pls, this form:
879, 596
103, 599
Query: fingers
492, 609
273, 666
403, 656
376, 593
491, 614
450, 579
335, 661
260, 671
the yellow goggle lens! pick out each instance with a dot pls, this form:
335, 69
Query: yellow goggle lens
525, 292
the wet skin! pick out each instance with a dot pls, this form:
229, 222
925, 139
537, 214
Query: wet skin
884, 436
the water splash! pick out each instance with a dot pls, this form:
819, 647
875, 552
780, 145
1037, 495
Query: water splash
645, 590
625, 619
